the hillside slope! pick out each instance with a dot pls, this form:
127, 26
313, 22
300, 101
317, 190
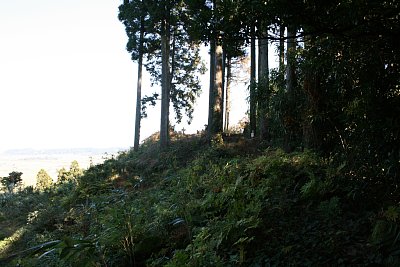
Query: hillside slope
229, 204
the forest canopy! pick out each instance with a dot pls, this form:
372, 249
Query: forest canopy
336, 89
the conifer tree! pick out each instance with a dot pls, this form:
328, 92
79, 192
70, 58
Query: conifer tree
133, 14
172, 59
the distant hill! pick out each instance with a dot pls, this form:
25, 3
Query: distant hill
58, 151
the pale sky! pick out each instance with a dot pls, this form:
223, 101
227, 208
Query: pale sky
66, 80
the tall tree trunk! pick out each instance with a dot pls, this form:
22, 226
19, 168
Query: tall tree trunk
211, 91
290, 120
215, 116
165, 84
223, 87
281, 48
263, 85
139, 88
291, 62
218, 109
228, 91
253, 99
312, 129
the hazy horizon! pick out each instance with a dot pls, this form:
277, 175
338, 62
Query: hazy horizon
67, 80
29, 162
62, 149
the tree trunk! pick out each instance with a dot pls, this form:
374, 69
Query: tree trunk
291, 62
290, 118
281, 48
223, 87
215, 117
165, 85
253, 102
312, 129
211, 91
263, 85
228, 91
139, 89
218, 104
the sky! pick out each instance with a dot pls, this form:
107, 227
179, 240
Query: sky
67, 81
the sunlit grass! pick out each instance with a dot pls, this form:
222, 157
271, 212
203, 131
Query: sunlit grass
8, 241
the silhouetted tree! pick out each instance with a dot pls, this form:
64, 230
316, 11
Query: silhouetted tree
12, 181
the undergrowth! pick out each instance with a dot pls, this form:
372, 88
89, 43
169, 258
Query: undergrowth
228, 204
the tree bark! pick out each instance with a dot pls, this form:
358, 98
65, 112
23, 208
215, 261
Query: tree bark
263, 85
253, 102
290, 121
223, 96
228, 91
312, 130
165, 84
281, 48
218, 89
139, 89
291, 62
215, 116
211, 91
